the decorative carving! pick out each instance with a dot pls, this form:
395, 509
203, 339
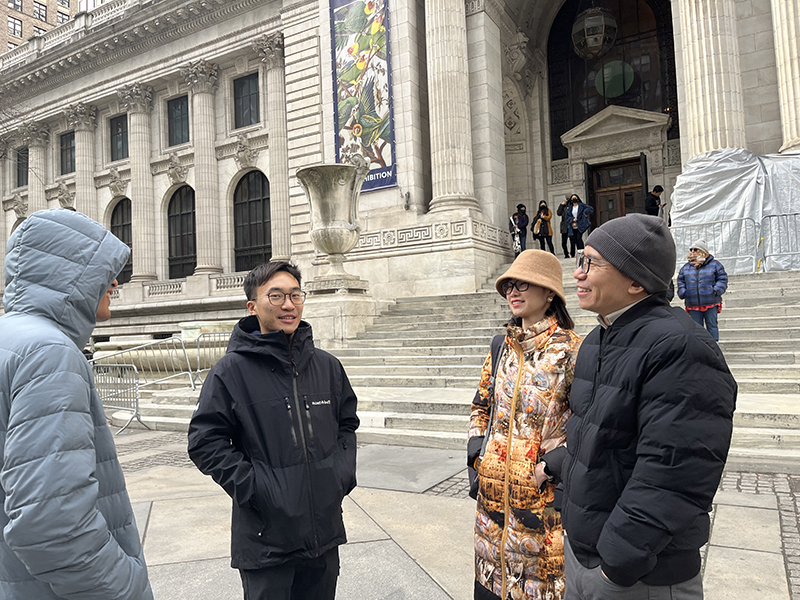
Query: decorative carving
390, 237
82, 116
35, 134
435, 233
18, 205
517, 54
441, 231
175, 171
270, 50
136, 97
117, 185
674, 153
201, 76
244, 154
559, 173
65, 198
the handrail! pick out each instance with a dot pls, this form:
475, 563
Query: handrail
210, 348
156, 361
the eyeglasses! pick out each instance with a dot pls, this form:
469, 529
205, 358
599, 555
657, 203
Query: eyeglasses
584, 263
278, 298
520, 286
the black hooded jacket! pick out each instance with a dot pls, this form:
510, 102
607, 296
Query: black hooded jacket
652, 415
275, 427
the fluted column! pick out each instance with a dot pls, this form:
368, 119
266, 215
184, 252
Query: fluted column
714, 113
138, 100
82, 118
786, 27
449, 101
36, 136
201, 76
270, 49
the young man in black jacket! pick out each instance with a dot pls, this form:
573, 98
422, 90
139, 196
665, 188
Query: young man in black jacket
275, 427
652, 404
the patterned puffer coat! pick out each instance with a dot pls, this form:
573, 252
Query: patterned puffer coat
518, 546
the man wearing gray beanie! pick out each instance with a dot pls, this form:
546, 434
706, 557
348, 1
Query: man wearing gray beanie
652, 415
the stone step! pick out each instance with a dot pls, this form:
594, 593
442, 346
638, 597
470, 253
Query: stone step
474, 361
766, 438
410, 437
415, 381
764, 372
415, 421
406, 371
368, 350
764, 460
768, 386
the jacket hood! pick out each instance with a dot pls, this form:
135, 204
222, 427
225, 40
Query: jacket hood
247, 338
59, 263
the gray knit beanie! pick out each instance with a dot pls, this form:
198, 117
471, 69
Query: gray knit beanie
640, 247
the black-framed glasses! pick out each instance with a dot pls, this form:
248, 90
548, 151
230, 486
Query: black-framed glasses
278, 298
584, 263
520, 286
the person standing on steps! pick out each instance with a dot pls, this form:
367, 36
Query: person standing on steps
541, 226
519, 415
652, 204
275, 427
701, 283
519, 221
578, 222
563, 212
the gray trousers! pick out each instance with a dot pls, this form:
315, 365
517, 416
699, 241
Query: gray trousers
592, 584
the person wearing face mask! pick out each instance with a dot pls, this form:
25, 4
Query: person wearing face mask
701, 283
578, 222
519, 224
519, 415
541, 226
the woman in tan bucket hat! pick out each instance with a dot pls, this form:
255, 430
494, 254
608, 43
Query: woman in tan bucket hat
518, 416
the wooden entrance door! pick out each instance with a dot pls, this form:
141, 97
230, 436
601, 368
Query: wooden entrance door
618, 189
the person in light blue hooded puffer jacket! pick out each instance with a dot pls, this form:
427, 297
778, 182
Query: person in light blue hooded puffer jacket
67, 524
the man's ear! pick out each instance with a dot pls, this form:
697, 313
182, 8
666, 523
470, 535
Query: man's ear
251, 307
635, 289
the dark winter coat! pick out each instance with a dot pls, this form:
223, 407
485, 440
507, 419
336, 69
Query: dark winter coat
521, 221
703, 286
652, 403
275, 427
651, 204
545, 230
584, 210
561, 211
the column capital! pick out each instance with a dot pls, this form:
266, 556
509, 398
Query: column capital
82, 117
35, 134
136, 97
201, 76
270, 49
18, 205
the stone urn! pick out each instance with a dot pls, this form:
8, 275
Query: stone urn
333, 192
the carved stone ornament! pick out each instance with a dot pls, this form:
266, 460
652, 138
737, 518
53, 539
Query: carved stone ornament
201, 76
35, 134
175, 171
136, 97
65, 198
117, 185
82, 116
270, 49
244, 154
18, 205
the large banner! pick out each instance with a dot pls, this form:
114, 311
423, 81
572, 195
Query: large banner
363, 88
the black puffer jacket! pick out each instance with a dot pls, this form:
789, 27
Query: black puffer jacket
652, 403
275, 427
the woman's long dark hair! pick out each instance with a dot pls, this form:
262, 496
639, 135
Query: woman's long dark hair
558, 309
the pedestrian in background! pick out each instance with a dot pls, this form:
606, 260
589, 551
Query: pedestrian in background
701, 283
578, 222
519, 415
68, 529
653, 204
562, 211
519, 221
541, 226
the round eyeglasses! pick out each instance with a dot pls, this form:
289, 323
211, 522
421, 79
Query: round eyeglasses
278, 298
584, 263
520, 286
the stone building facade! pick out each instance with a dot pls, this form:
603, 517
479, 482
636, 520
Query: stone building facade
27, 19
181, 124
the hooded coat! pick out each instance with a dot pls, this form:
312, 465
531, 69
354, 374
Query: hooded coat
68, 527
275, 427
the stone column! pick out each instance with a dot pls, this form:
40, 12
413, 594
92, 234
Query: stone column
786, 25
270, 49
36, 136
201, 76
82, 118
449, 102
138, 100
714, 114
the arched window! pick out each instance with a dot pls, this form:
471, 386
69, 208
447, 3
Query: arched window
121, 227
182, 248
251, 223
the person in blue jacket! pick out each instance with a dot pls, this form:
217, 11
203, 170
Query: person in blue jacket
577, 222
67, 524
701, 283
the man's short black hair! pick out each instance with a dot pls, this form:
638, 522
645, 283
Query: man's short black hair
658, 189
263, 273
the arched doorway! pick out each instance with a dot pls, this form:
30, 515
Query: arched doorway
252, 231
121, 227
181, 227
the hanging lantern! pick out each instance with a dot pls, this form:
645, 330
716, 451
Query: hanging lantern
594, 32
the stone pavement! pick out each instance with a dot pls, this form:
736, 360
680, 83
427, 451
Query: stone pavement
409, 526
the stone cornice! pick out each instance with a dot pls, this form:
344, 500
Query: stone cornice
136, 97
81, 117
491, 7
201, 76
270, 50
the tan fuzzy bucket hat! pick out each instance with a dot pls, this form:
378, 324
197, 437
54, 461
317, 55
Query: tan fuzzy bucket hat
536, 267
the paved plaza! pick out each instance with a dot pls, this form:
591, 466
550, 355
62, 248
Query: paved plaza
409, 525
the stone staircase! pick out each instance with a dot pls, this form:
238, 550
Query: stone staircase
416, 368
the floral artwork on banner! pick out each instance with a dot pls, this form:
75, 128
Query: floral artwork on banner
362, 88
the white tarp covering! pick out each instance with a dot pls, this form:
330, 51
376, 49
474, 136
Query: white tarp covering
746, 207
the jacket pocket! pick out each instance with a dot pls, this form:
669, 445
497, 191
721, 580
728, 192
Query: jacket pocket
282, 501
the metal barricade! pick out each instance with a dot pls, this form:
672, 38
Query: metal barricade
780, 239
118, 387
733, 242
155, 361
210, 348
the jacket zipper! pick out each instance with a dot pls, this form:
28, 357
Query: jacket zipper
506, 502
295, 375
